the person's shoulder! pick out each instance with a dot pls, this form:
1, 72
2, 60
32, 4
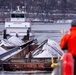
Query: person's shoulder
68, 32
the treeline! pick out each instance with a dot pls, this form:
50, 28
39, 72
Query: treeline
43, 8
40, 6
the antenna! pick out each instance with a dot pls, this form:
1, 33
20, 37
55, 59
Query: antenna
18, 8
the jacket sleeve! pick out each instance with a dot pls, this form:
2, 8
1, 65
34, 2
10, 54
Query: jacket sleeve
64, 41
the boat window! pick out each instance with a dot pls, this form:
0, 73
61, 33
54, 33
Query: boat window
13, 15
22, 15
17, 15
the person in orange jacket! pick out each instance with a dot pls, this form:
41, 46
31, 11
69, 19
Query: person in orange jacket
68, 42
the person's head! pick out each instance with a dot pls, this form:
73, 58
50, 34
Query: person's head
73, 23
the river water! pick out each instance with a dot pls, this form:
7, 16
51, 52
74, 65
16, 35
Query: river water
43, 31
25, 72
53, 31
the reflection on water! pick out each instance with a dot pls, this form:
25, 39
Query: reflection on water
25, 72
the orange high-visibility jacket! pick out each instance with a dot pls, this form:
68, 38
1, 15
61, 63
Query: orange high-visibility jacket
69, 39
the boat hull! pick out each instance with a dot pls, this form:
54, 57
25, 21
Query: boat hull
27, 66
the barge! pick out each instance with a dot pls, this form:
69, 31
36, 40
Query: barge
29, 57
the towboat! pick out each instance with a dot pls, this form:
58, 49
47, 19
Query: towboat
17, 24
